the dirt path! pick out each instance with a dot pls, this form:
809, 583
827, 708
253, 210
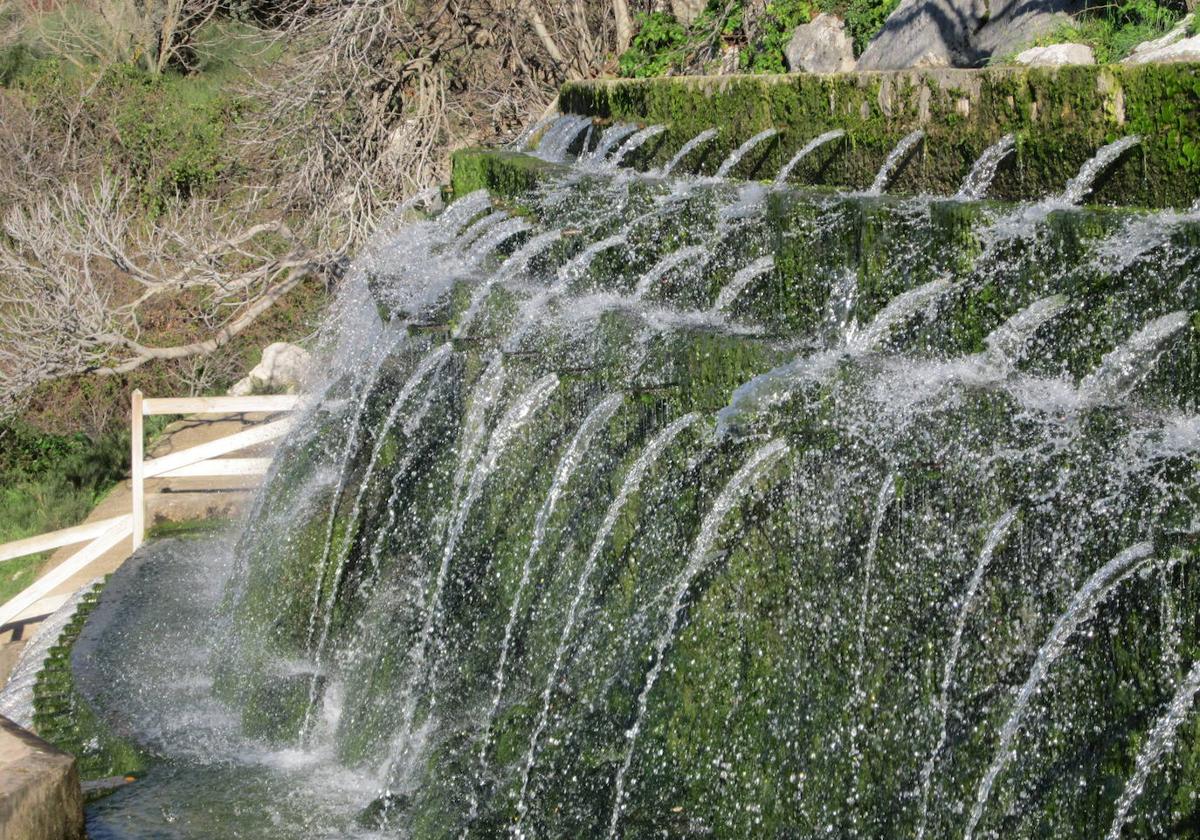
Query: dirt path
167, 500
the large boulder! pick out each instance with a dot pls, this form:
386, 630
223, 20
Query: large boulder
1174, 46
926, 33
686, 11
1015, 24
960, 33
1056, 55
284, 367
821, 46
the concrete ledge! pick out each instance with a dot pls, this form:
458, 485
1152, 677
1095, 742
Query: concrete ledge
40, 797
1060, 116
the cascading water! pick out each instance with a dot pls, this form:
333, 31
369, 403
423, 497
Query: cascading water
687, 148
975, 185
635, 142
562, 548
806, 150
735, 157
895, 159
1082, 605
758, 464
1078, 187
741, 280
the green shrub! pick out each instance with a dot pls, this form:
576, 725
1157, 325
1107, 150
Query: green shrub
864, 18
659, 45
49, 482
766, 53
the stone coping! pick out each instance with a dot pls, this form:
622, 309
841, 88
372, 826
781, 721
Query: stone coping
40, 797
1060, 117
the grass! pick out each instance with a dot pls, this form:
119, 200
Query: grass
49, 482
1112, 30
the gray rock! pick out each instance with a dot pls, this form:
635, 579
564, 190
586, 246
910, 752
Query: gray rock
820, 46
926, 33
686, 11
1057, 55
284, 367
960, 33
1173, 46
1015, 24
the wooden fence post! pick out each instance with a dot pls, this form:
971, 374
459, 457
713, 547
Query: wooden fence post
137, 479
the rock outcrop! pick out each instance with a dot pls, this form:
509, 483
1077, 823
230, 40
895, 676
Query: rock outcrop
960, 33
1174, 46
284, 367
686, 11
821, 46
1056, 55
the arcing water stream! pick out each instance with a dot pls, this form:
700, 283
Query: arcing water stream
663, 506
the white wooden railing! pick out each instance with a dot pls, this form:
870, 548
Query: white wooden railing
204, 460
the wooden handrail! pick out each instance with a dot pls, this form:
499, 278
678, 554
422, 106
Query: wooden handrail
202, 460
269, 404
57, 539
27, 597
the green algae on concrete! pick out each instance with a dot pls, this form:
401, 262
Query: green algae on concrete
1060, 115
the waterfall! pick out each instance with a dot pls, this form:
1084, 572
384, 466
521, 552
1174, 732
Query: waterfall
1122, 369
578, 266
995, 536
1158, 743
887, 493
513, 266
894, 161
741, 280
741, 151
636, 142
633, 480
975, 185
521, 412
610, 140
558, 139
496, 237
351, 443
809, 540
1006, 343
691, 253
806, 150
690, 146
478, 228
432, 360
754, 468
1077, 188
600, 415
899, 309
462, 211
521, 142
1082, 605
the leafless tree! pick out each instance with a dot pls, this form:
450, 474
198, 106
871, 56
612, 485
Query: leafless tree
81, 270
372, 98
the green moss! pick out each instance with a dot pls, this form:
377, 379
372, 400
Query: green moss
506, 174
1061, 115
63, 717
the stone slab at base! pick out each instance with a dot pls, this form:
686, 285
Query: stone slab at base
40, 797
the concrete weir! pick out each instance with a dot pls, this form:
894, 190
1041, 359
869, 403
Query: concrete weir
1060, 116
40, 798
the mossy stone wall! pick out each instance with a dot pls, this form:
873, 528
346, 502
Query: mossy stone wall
1060, 115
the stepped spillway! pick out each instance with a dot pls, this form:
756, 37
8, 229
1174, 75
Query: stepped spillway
639, 504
